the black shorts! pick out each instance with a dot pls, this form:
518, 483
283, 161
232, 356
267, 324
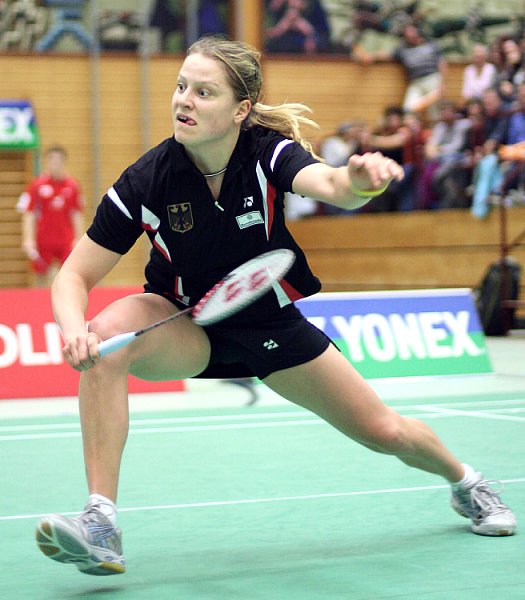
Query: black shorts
286, 339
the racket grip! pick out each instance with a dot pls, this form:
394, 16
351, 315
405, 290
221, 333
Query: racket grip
115, 343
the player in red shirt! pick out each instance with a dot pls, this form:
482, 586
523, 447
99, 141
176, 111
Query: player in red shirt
52, 215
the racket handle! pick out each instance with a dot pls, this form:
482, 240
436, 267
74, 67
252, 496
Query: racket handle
115, 343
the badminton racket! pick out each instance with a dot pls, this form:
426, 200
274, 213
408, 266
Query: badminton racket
235, 291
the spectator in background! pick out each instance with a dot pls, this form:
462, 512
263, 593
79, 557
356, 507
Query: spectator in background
404, 136
337, 148
424, 65
414, 158
169, 18
51, 208
512, 72
389, 138
512, 154
479, 75
212, 17
297, 26
456, 180
442, 150
496, 55
516, 132
487, 175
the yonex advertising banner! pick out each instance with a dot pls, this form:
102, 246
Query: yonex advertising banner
18, 128
383, 334
31, 363
400, 334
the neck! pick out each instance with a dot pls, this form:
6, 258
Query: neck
208, 154
219, 172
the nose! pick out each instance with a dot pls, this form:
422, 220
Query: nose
184, 98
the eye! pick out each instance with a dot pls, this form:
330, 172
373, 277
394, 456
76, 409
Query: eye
204, 93
180, 87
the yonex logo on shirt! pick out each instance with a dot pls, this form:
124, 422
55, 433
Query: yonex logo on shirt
270, 344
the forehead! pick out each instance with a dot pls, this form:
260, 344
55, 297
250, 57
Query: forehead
202, 69
509, 45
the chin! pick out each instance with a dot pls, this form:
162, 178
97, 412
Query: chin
180, 137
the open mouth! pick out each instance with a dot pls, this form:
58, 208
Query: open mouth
186, 120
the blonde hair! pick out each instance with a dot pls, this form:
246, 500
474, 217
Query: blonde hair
243, 70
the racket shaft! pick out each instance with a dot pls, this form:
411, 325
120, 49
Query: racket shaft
123, 339
116, 342
167, 320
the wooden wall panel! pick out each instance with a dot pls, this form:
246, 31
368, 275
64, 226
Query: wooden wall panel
339, 90
432, 229
162, 82
15, 168
401, 251
60, 87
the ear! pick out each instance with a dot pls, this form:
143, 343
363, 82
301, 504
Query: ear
243, 110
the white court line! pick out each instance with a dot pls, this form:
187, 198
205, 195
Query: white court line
477, 414
75, 425
183, 429
426, 412
193, 428
505, 410
159, 421
242, 501
470, 403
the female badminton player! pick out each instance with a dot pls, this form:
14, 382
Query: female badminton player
210, 198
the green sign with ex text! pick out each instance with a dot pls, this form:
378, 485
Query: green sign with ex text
18, 128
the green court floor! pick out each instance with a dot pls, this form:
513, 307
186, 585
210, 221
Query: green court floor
227, 501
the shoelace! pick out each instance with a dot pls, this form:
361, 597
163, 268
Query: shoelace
486, 500
97, 532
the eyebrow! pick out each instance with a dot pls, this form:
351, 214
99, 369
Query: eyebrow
204, 82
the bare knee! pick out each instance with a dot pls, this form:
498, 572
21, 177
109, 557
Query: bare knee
389, 437
107, 324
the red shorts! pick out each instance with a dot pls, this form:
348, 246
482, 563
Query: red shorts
48, 254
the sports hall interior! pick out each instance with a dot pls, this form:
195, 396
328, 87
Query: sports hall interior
107, 110
277, 534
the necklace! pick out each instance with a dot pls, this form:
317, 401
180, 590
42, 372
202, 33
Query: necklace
216, 172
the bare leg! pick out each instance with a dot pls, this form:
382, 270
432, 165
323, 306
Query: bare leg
330, 387
174, 351
103, 397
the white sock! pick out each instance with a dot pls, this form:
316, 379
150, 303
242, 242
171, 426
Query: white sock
107, 506
468, 480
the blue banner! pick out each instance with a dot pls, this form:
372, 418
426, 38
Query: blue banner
399, 334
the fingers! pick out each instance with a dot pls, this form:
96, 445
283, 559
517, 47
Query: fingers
372, 170
81, 351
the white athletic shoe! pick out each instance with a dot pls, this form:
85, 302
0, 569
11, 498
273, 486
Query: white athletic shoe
89, 541
483, 506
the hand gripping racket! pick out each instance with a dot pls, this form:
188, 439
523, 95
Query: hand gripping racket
238, 289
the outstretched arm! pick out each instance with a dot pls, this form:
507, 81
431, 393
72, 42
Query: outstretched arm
87, 264
364, 177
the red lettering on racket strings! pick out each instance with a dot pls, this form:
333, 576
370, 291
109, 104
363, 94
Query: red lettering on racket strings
255, 281
258, 279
